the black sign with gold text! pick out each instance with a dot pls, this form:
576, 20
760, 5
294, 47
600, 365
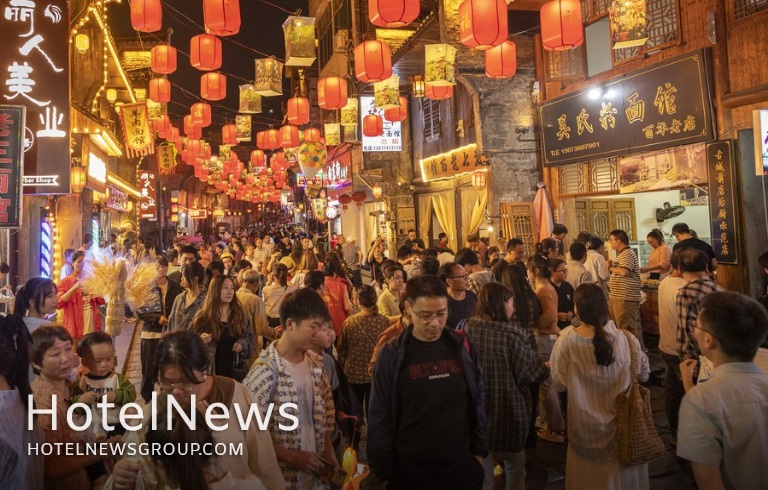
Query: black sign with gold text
664, 105
11, 164
722, 202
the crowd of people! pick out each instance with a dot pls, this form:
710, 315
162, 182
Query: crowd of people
452, 364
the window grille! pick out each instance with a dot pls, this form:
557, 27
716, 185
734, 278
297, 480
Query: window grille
663, 28
431, 112
746, 8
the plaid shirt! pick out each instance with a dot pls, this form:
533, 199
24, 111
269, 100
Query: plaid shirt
687, 302
509, 366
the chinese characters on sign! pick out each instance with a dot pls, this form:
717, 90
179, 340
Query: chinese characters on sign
456, 162
138, 138
391, 137
166, 158
148, 201
117, 200
664, 105
35, 72
11, 164
722, 206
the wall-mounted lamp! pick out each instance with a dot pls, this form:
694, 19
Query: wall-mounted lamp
82, 43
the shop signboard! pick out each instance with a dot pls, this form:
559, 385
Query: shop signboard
664, 105
390, 139
722, 202
148, 201
117, 200
35, 72
166, 158
195, 213
11, 164
138, 137
460, 161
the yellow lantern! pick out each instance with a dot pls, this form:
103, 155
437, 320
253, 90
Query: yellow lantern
111, 95
376, 191
418, 87
82, 43
77, 179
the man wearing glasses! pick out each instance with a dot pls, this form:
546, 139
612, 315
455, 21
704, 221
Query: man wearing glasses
461, 301
427, 424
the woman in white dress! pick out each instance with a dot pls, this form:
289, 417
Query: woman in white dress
592, 362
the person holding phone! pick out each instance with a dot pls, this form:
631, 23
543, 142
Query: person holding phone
415, 244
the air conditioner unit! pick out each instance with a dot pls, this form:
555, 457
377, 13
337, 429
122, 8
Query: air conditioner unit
341, 41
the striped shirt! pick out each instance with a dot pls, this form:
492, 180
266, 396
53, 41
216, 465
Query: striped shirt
688, 302
626, 288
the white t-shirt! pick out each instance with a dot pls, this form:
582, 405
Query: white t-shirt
667, 293
302, 383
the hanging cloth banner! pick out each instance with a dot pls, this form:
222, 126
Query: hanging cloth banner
138, 139
166, 158
243, 127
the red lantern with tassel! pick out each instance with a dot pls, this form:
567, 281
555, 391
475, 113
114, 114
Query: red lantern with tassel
440, 92
229, 134
222, 17
392, 13
312, 134
163, 59
344, 200
146, 15
191, 129
373, 61
561, 26
483, 23
205, 52
258, 158
289, 136
298, 110
213, 86
501, 61
398, 114
273, 139
359, 197
201, 114
161, 124
278, 160
173, 135
332, 93
261, 140
373, 125
160, 90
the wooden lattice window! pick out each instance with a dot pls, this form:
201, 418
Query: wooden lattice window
594, 9
663, 29
517, 221
566, 65
601, 216
746, 8
571, 179
431, 112
603, 175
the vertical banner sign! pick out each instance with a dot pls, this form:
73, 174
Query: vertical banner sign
722, 206
35, 73
138, 138
11, 164
166, 158
148, 201
243, 127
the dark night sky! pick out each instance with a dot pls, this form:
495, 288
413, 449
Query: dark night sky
261, 30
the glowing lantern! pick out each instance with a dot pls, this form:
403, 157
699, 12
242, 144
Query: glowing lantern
501, 61
250, 101
258, 158
163, 59
277, 162
289, 136
312, 134
201, 114
312, 155
373, 61
273, 139
478, 180
392, 13
221, 17
205, 52
82, 43
439, 92
269, 77
261, 140
344, 200
194, 147
160, 90
417, 86
213, 86
78, 179
111, 95
190, 127
298, 110
373, 125
561, 26
299, 41
173, 134
161, 124
332, 93
376, 191
397, 114
359, 197
483, 23
349, 113
440, 64
147, 15
229, 135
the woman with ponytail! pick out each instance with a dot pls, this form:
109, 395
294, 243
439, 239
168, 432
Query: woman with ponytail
36, 303
592, 362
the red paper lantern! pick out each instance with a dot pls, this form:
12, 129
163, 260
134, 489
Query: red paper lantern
298, 110
561, 26
161, 124
273, 139
147, 15
345, 199
205, 52
373, 125
289, 136
213, 86
173, 135
163, 59
201, 114
359, 197
332, 93
192, 129
221, 17
501, 61
483, 23
398, 114
229, 135
312, 134
160, 90
277, 161
194, 147
392, 13
261, 140
439, 92
373, 61
258, 158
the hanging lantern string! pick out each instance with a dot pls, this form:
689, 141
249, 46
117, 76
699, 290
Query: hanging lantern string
196, 98
265, 2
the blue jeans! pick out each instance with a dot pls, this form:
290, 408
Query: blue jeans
549, 401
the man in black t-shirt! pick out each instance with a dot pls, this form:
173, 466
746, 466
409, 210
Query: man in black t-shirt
686, 240
426, 422
414, 243
564, 292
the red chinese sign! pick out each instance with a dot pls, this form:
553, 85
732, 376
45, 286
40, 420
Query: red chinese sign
11, 164
148, 189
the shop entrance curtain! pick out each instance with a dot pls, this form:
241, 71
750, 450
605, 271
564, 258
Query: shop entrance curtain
372, 223
425, 218
473, 204
445, 210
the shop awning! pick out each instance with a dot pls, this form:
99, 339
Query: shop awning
101, 135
